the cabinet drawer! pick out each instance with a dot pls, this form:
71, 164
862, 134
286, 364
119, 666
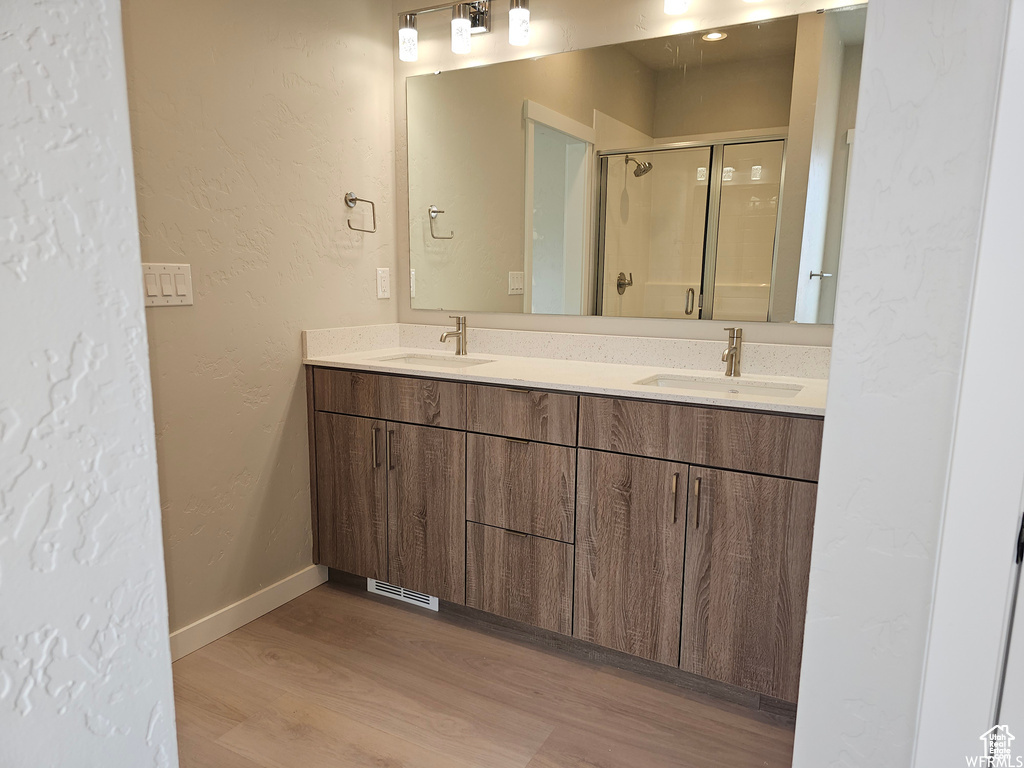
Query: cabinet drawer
523, 486
783, 446
396, 398
522, 413
524, 578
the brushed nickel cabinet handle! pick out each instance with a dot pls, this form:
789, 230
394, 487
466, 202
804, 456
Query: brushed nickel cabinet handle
675, 498
376, 450
520, 534
391, 459
696, 493
690, 295
519, 440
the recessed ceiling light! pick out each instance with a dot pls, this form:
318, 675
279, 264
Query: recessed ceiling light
712, 37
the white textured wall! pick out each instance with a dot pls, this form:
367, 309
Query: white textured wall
85, 674
924, 128
250, 121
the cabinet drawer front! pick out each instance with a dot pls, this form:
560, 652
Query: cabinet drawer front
349, 392
523, 486
784, 446
522, 413
397, 398
524, 578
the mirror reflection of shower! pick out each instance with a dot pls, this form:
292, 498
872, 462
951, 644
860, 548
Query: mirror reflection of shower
641, 167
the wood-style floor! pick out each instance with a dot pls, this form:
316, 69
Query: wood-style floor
342, 680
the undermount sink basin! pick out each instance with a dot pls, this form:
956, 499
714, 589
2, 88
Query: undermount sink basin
434, 361
725, 386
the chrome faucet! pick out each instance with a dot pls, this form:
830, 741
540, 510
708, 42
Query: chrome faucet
731, 356
459, 334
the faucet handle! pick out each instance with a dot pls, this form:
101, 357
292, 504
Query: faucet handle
735, 333
460, 320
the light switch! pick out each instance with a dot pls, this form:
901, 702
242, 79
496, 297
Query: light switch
383, 283
516, 281
168, 285
412, 283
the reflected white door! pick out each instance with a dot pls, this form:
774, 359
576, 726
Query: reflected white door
557, 273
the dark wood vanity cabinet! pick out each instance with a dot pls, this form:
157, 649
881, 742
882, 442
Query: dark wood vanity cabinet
748, 557
676, 533
631, 528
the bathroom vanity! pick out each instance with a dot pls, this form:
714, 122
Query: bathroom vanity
657, 522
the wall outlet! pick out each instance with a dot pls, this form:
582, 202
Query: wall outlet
383, 283
516, 281
167, 285
412, 283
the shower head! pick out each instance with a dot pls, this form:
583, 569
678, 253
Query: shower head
641, 167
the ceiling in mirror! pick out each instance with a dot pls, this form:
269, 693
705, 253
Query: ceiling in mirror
677, 177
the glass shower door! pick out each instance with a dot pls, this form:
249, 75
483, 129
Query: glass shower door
751, 177
655, 208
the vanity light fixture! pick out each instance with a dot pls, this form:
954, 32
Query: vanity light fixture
408, 38
676, 7
468, 18
461, 29
519, 22
713, 37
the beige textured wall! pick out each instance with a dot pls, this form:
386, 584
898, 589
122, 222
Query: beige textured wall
250, 120
751, 94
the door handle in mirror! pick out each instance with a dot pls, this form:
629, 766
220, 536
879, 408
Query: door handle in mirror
690, 296
434, 211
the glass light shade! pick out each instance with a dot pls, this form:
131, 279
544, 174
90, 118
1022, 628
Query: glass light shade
461, 34
676, 7
408, 44
519, 26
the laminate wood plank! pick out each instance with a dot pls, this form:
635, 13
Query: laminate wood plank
427, 510
630, 531
211, 699
525, 578
522, 413
352, 494
528, 487
354, 393
570, 747
414, 675
417, 650
423, 401
770, 444
748, 554
442, 717
311, 428
294, 732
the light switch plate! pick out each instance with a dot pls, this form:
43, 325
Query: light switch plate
412, 283
383, 283
516, 281
167, 285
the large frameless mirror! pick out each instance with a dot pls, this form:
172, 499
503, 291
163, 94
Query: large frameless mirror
699, 176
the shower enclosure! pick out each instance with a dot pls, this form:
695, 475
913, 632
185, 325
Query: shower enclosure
690, 231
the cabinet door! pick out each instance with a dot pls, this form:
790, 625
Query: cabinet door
427, 510
630, 530
352, 494
748, 555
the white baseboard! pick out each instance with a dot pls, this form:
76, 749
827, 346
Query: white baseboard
216, 625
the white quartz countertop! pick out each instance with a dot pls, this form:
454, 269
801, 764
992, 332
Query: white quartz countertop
695, 386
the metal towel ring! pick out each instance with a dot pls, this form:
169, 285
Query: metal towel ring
434, 211
350, 201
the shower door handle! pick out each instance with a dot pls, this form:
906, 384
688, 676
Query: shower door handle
690, 296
